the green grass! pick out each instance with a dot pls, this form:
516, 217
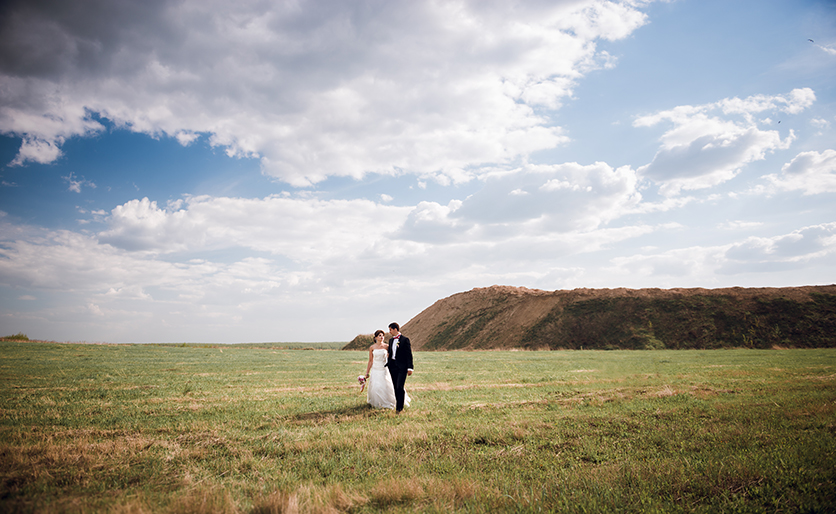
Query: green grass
257, 429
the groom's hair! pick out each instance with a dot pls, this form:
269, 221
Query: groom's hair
395, 326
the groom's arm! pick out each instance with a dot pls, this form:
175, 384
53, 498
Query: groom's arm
408, 352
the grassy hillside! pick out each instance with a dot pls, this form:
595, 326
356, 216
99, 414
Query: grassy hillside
689, 322
504, 318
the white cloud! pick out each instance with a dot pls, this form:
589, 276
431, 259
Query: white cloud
38, 150
786, 251
811, 172
740, 225
547, 199
431, 222
681, 265
311, 90
122, 291
806, 247
128, 291
797, 101
820, 123
536, 201
186, 138
77, 184
299, 229
703, 150
68, 261
829, 49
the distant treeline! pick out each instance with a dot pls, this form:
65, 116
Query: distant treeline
267, 346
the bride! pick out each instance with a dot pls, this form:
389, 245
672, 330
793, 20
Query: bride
381, 392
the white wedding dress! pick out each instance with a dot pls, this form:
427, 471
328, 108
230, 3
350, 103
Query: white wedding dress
381, 392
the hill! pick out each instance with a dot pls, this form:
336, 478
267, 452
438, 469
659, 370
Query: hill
504, 317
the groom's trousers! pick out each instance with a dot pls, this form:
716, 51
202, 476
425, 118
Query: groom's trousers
398, 380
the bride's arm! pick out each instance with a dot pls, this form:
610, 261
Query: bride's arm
371, 358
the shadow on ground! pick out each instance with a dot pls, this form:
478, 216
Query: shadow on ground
338, 415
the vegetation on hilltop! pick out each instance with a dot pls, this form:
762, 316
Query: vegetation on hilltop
360, 342
697, 322
20, 336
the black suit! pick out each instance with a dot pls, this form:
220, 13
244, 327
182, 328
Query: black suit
399, 367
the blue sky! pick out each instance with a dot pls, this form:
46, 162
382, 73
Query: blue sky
302, 171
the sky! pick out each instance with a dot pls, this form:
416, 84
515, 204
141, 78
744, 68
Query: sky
276, 171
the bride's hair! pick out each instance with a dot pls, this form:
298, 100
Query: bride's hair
377, 333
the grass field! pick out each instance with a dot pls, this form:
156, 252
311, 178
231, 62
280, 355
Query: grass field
258, 429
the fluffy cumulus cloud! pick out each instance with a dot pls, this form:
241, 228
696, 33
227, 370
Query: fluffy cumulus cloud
284, 241
811, 172
313, 90
561, 209
710, 144
298, 229
553, 198
545, 208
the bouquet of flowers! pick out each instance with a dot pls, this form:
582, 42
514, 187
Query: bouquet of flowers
362, 380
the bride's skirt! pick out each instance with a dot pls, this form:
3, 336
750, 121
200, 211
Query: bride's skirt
381, 391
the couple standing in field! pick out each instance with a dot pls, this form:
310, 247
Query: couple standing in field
389, 365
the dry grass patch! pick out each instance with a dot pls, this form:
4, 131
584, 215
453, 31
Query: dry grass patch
310, 499
664, 392
501, 405
214, 499
825, 378
441, 494
78, 462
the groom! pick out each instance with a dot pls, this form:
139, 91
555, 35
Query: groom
399, 362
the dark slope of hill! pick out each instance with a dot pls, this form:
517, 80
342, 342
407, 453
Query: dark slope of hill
503, 317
